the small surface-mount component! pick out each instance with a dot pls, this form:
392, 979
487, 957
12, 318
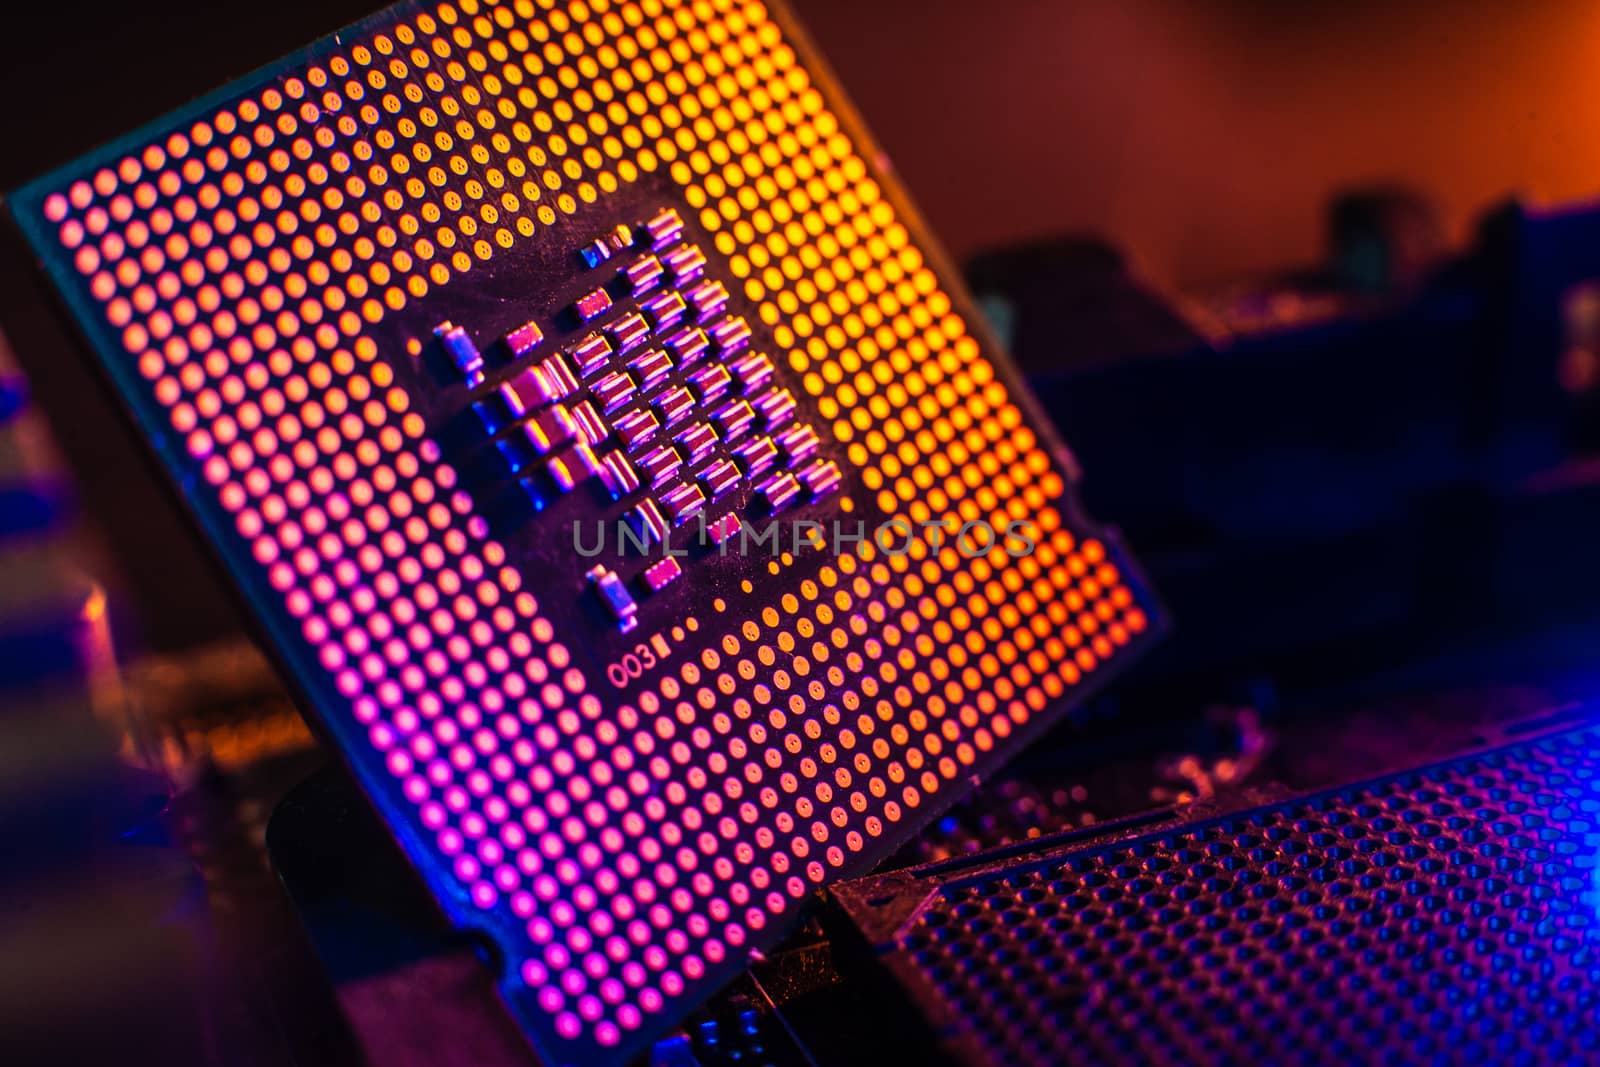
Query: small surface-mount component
719, 477
534, 388
665, 227
661, 574
757, 455
572, 466
683, 502
615, 598
458, 348
523, 340
549, 430
730, 335
779, 491
733, 419
660, 465
684, 263
592, 354
688, 345
663, 309
709, 299
559, 373
719, 531
775, 406
595, 252
709, 383
752, 371
646, 521
651, 368
636, 428
820, 477
643, 274
628, 332
620, 237
591, 427
673, 404
614, 390
696, 442
797, 443
618, 475
591, 305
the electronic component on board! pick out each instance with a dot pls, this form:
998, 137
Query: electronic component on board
615, 597
628, 332
458, 348
661, 574
591, 354
664, 228
591, 305
523, 340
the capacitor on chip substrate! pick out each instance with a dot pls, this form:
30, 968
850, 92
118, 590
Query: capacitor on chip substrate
614, 390
757, 455
663, 309
665, 228
660, 464
721, 530
683, 502
615, 598
730, 335
661, 574
595, 252
617, 474
673, 404
628, 332
591, 427
710, 382
534, 388
460, 351
779, 491
709, 299
696, 442
571, 466
684, 264
688, 345
591, 354
551, 429
650, 367
591, 305
644, 274
752, 371
733, 419
647, 522
719, 477
776, 407
521, 342
636, 428
821, 477
797, 443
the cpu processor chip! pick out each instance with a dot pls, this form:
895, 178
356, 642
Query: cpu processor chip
619, 472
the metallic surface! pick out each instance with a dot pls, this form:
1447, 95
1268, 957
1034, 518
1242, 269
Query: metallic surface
1445, 914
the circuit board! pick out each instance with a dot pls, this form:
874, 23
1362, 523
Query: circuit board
1336, 926
614, 464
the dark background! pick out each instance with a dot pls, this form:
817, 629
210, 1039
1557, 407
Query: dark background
1202, 135
1202, 139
